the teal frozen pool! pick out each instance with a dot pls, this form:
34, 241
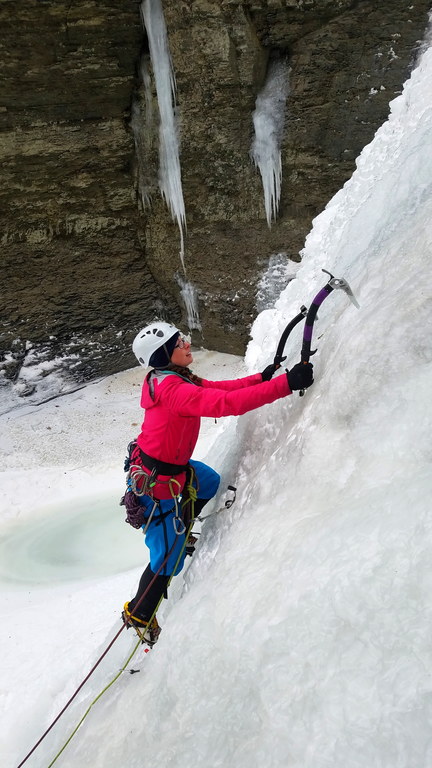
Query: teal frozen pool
79, 539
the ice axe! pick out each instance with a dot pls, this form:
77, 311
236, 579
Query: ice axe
333, 284
278, 358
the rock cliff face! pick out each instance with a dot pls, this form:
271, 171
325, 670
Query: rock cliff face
82, 259
74, 275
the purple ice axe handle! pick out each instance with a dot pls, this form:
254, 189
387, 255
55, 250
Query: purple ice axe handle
333, 284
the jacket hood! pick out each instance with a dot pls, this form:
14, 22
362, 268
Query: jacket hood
150, 393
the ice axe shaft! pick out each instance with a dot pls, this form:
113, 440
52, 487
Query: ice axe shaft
333, 284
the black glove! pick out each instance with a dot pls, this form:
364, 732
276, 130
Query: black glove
270, 370
301, 376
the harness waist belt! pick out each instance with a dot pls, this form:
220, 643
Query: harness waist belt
162, 467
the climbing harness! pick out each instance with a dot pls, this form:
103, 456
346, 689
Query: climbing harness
140, 482
161, 467
333, 284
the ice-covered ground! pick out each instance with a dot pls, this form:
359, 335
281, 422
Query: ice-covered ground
300, 635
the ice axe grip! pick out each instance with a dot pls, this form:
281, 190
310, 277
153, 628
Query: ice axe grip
310, 319
278, 358
309, 323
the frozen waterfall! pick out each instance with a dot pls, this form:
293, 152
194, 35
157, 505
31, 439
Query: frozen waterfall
169, 160
142, 125
268, 120
190, 298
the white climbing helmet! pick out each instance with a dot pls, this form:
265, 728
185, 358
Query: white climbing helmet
150, 338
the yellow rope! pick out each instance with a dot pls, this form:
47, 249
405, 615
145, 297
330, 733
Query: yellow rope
72, 734
193, 493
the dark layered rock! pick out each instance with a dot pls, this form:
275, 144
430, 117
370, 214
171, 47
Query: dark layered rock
84, 262
74, 274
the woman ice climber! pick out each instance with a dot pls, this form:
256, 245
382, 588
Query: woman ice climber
166, 487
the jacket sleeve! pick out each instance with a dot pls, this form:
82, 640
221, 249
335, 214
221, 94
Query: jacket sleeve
230, 384
189, 400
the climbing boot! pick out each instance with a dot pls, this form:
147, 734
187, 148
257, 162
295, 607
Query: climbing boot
148, 631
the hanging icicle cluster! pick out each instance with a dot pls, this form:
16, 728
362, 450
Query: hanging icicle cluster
269, 119
170, 183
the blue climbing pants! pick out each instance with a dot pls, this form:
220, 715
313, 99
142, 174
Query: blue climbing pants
162, 532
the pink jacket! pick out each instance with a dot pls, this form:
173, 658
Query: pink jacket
172, 418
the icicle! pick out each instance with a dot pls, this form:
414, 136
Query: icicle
268, 120
190, 298
146, 79
169, 161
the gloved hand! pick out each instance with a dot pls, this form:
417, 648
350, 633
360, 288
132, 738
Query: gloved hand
271, 369
301, 376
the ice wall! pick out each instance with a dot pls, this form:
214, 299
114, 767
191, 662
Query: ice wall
269, 119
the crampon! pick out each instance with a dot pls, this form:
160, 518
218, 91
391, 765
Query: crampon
147, 631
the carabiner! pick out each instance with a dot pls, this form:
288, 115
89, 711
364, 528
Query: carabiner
176, 520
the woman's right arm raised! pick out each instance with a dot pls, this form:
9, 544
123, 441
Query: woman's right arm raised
189, 400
